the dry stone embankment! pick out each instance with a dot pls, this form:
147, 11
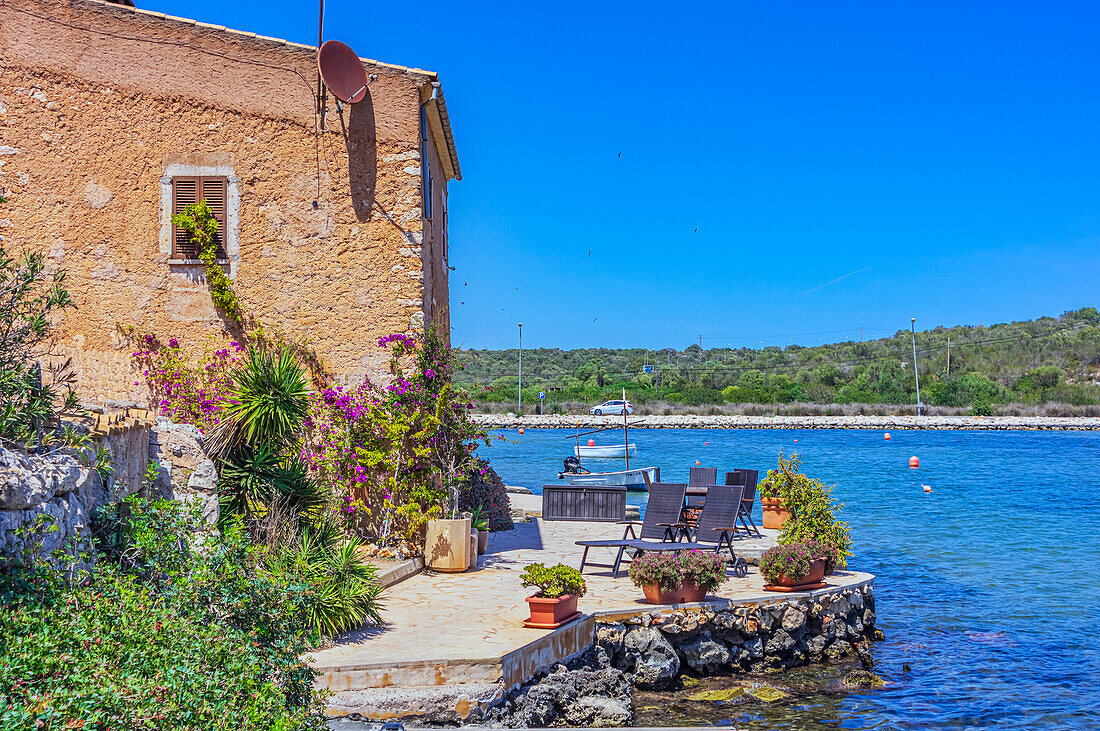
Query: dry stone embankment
885, 423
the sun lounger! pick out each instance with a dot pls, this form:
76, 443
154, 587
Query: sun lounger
717, 526
661, 522
748, 500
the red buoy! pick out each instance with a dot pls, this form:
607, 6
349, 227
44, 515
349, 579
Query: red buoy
914, 462
521, 430
591, 442
697, 463
886, 436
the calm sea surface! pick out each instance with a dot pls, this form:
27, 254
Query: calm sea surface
988, 587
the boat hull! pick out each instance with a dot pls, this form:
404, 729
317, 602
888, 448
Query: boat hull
611, 450
630, 479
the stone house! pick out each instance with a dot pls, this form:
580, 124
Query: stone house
332, 218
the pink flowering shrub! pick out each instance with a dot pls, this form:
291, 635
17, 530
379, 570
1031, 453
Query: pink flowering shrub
397, 455
188, 389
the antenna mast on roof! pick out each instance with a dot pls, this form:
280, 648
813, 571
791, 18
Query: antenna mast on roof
320, 39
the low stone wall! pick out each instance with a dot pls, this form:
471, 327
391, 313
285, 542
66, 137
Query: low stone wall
65, 486
885, 423
754, 638
649, 649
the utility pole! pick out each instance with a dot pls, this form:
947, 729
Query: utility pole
948, 356
916, 375
519, 407
700, 348
861, 335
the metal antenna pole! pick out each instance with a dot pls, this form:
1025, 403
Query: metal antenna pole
916, 375
519, 408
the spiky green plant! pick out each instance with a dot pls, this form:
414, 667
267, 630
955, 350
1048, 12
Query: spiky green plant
270, 398
343, 589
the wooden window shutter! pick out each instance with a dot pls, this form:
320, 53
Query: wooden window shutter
187, 191
184, 193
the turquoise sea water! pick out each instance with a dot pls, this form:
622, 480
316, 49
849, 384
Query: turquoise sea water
988, 587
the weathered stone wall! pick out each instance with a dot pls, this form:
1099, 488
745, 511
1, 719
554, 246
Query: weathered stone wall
751, 638
65, 485
100, 105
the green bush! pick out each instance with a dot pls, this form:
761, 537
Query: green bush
812, 509
554, 581
159, 636
791, 560
706, 569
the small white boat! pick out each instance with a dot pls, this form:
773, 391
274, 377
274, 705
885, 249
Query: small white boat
630, 479
608, 450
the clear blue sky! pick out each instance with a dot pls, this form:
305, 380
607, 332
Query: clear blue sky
640, 174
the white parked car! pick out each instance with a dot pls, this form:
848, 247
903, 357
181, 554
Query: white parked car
612, 407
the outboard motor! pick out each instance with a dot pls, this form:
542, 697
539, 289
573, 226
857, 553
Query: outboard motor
572, 465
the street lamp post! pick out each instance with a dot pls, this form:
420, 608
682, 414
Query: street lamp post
519, 401
916, 375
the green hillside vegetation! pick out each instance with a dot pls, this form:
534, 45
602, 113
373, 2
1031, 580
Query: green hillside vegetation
1044, 361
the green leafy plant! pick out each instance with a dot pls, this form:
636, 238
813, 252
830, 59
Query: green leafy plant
479, 519
659, 567
813, 510
30, 297
553, 581
159, 636
705, 569
259, 460
791, 560
198, 221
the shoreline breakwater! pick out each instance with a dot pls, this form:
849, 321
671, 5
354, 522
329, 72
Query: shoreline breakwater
885, 423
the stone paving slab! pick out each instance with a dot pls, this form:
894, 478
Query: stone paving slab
467, 628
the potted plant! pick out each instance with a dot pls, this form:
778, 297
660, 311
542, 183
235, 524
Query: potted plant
666, 578
481, 525
792, 567
559, 588
770, 492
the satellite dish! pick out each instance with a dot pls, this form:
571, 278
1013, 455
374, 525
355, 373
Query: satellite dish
342, 71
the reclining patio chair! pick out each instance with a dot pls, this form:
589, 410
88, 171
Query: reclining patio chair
717, 524
700, 479
661, 522
716, 529
748, 501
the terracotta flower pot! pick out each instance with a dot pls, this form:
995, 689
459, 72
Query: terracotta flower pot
685, 593
813, 580
482, 541
447, 545
551, 613
775, 512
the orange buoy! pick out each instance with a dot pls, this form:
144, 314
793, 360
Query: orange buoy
927, 488
591, 442
697, 463
521, 430
914, 462
886, 436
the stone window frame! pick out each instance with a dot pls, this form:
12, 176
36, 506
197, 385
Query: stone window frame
232, 211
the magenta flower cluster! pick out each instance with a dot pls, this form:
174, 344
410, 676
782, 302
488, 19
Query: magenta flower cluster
188, 389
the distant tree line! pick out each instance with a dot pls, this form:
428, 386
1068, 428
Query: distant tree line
1047, 360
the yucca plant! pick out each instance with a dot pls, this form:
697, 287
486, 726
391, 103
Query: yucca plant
255, 444
343, 589
269, 401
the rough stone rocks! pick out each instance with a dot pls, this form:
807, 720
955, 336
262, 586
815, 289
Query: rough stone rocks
610, 637
755, 647
186, 474
650, 657
838, 650
863, 679
779, 643
816, 645
579, 697
26, 481
793, 619
706, 655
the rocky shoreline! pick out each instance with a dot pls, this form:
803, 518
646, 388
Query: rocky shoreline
653, 651
885, 423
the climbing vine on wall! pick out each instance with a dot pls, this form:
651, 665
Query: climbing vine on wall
198, 221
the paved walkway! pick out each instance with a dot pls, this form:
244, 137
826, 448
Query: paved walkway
448, 628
